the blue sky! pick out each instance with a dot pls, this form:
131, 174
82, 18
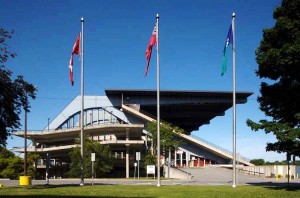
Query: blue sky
192, 35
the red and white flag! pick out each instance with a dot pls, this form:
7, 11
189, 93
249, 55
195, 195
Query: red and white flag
75, 50
152, 42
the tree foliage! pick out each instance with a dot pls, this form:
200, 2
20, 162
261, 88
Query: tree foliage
261, 162
168, 135
14, 93
257, 162
150, 159
31, 164
278, 57
12, 166
103, 163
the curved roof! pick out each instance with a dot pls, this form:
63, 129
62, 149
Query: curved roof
186, 109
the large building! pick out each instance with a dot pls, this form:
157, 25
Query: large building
119, 119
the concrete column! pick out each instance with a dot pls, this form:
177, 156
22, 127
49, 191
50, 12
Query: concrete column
47, 167
175, 158
103, 116
187, 156
181, 159
127, 134
55, 169
34, 145
62, 169
127, 153
198, 164
127, 161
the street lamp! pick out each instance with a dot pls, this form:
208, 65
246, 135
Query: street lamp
25, 135
25, 144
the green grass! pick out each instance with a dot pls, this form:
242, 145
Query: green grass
149, 191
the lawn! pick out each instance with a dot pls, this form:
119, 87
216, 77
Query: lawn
149, 191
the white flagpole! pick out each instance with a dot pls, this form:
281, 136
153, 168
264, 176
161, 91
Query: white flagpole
158, 105
234, 101
82, 107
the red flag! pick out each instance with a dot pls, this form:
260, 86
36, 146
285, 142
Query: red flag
75, 50
76, 47
149, 49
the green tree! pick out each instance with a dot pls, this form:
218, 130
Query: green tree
257, 162
278, 57
103, 163
14, 93
14, 168
150, 159
10, 165
168, 135
32, 169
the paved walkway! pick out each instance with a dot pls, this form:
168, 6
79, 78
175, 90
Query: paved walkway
201, 176
222, 176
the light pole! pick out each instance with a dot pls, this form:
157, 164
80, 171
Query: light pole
25, 144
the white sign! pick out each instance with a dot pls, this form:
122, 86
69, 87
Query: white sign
151, 169
179, 152
135, 164
138, 155
93, 157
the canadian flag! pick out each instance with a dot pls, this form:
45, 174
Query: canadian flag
75, 50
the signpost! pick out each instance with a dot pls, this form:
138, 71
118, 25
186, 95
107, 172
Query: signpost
138, 158
135, 164
93, 157
151, 170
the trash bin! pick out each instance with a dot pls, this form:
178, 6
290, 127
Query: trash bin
25, 180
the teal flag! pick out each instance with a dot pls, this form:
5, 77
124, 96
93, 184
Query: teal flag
229, 40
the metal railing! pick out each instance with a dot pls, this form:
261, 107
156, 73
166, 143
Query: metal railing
220, 148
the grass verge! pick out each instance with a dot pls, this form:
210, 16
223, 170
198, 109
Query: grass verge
148, 191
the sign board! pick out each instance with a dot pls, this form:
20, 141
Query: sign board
138, 155
93, 157
193, 158
179, 152
151, 169
135, 164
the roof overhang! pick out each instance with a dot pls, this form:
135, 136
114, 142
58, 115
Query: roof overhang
186, 109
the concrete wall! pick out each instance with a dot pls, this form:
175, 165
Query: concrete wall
177, 173
272, 170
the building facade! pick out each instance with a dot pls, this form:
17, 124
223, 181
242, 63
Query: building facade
119, 120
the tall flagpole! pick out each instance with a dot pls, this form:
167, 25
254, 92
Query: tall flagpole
82, 107
158, 105
234, 101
